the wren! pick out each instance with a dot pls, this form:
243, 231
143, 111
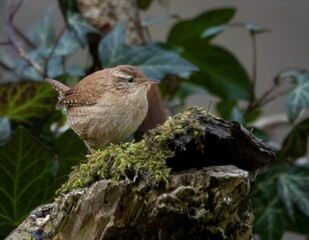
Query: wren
106, 106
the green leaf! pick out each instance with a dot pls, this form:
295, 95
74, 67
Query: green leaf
268, 209
25, 101
80, 26
68, 6
24, 71
298, 98
293, 188
268, 223
26, 174
183, 33
220, 72
229, 110
299, 224
252, 115
271, 215
225, 107
152, 60
253, 29
187, 89
5, 130
214, 31
259, 133
55, 67
295, 144
68, 44
70, 150
43, 34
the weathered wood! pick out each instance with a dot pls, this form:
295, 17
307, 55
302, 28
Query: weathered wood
222, 142
211, 203
201, 201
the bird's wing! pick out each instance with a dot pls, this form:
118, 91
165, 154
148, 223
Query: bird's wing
85, 93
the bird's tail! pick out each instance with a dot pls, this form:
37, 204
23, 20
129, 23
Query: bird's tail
60, 87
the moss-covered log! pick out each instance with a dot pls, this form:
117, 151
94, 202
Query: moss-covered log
167, 186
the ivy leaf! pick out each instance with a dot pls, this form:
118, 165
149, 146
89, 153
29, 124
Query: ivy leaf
253, 29
54, 67
252, 115
298, 98
220, 72
68, 44
152, 60
271, 216
183, 33
80, 26
26, 100
26, 174
269, 211
71, 154
293, 187
187, 89
214, 31
68, 6
229, 110
295, 144
43, 34
299, 224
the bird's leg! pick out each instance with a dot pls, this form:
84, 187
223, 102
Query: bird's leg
88, 146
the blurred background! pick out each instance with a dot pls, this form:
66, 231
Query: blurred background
284, 47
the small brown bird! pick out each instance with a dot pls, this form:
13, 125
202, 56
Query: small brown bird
106, 106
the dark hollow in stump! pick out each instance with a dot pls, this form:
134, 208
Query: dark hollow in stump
200, 201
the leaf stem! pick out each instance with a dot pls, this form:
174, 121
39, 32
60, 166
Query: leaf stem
8, 18
254, 70
50, 55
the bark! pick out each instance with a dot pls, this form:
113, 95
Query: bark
201, 201
211, 203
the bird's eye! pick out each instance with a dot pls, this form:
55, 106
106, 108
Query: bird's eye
130, 79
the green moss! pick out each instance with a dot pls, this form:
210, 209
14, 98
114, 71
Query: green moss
146, 158
185, 123
119, 162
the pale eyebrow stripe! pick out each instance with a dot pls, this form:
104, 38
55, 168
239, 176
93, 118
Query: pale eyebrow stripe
121, 75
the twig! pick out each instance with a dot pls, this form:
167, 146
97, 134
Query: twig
258, 102
271, 98
12, 38
14, 10
5, 66
50, 55
2, 43
254, 71
23, 37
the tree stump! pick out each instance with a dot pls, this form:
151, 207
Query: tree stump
188, 179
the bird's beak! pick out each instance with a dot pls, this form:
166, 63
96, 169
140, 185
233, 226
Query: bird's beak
153, 81
150, 82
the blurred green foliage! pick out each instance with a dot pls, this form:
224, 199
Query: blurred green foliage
36, 153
